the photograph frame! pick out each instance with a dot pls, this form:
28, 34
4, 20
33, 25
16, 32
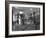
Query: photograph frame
7, 18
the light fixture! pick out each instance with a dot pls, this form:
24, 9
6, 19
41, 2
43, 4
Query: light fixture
21, 12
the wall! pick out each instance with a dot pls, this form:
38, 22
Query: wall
2, 19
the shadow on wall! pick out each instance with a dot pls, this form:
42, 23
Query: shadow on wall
12, 37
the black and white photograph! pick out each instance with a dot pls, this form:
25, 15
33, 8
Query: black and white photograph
25, 18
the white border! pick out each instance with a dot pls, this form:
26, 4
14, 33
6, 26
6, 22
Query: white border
25, 32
